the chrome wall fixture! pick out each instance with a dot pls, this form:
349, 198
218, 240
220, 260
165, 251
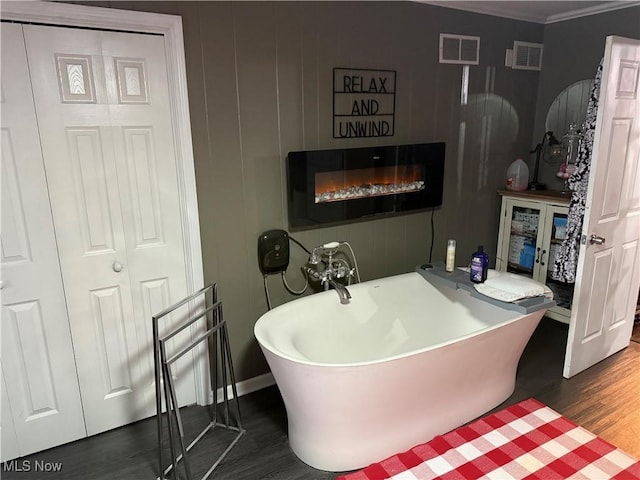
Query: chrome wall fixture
328, 268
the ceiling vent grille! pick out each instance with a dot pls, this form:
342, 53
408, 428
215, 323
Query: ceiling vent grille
461, 49
527, 56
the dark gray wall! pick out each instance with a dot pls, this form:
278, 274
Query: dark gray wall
572, 51
260, 85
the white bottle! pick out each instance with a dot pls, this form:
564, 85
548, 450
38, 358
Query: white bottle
517, 175
451, 255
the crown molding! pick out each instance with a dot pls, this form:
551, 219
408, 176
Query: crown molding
595, 10
511, 9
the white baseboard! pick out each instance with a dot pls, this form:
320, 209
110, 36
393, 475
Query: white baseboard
249, 386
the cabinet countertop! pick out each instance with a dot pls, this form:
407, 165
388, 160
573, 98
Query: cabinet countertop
553, 195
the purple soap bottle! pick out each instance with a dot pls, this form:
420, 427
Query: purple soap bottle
479, 265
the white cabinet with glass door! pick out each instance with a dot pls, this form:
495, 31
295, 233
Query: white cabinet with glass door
532, 227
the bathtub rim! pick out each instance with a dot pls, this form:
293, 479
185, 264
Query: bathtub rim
265, 345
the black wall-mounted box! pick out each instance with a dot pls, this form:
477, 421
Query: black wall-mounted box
341, 185
273, 251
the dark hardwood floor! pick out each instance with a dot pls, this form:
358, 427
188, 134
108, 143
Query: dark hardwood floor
604, 399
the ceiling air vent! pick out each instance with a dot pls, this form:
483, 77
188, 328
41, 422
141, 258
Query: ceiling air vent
526, 56
463, 49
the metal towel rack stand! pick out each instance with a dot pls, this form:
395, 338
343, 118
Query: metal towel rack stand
217, 338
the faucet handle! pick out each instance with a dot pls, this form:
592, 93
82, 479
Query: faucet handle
341, 271
313, 274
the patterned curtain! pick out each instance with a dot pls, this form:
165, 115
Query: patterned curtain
566, 261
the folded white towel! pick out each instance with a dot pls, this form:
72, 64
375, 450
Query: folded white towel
510, 287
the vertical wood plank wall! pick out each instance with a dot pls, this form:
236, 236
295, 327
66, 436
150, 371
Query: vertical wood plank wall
260, 85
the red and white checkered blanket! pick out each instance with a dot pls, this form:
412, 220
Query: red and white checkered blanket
524, 441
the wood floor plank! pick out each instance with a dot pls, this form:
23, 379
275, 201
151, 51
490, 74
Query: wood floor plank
604, 399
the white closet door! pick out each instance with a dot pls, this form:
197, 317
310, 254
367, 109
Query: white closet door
147, 173
102, 107
37, 355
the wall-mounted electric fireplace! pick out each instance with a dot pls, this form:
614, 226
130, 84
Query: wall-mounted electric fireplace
334, 186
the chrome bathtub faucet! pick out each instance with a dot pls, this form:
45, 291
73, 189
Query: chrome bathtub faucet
326, 278
342, 291
333, 269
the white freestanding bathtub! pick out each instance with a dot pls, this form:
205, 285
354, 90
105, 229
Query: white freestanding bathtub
404, 361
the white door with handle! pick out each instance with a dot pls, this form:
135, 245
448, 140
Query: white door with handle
103, 110
608, 272
40, 396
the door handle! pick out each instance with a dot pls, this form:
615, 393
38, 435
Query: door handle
596, 239
117, 266
542, 257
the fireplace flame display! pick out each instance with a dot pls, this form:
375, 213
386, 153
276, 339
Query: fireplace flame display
342, 185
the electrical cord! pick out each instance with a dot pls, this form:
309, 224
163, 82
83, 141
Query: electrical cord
300, 245
433, 209
306, 277
266, 291
290, 290
284, 279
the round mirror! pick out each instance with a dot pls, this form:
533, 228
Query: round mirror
570, 106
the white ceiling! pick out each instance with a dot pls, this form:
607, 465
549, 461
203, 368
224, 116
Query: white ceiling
536, 11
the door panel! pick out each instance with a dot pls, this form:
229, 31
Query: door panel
614, 177
111, 342
143, 187
15, 242
103, 110
601, 281
24, 327
608, 275
8, 442
91, 200
623, 294
37, 355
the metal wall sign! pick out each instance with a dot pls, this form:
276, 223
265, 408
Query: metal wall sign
364, 103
